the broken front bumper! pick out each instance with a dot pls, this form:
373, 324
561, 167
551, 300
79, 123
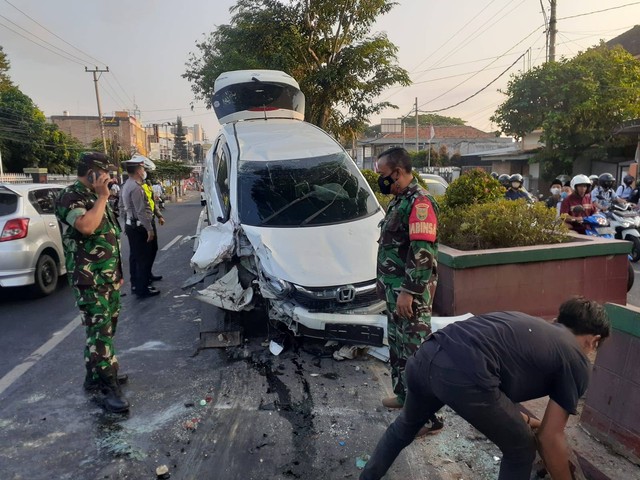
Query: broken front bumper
367, 326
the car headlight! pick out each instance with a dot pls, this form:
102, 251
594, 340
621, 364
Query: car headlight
280, 288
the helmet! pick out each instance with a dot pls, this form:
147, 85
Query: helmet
147, 162
494, 175
628, 180
504, 179
606, 181
593, 177
516, 177
580, 180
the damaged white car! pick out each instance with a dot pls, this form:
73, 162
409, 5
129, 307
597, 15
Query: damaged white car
291, 224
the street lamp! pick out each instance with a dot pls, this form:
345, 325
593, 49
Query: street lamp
166, 137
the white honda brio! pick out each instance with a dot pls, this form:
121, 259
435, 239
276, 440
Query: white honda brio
291, 222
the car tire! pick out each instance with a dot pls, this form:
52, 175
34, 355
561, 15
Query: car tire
45, 276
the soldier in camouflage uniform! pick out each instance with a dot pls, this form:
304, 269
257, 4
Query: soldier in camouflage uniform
407, 266
92, 255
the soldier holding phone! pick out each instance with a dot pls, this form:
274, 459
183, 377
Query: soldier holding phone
91, 242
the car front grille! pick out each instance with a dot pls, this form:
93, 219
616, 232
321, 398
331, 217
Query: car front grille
365, 295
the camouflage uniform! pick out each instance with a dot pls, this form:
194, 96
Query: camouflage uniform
94, 271
407, 261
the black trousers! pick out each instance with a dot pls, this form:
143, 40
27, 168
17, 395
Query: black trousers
432, 382
140, 258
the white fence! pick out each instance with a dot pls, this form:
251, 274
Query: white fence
15, 178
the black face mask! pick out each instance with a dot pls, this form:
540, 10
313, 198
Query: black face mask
385, 184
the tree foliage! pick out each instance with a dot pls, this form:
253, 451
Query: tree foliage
5, 80
326, 45
168, 170
426, 119
180, 151
578, 103
26, 139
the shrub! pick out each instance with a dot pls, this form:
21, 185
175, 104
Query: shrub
473, 187
499, 224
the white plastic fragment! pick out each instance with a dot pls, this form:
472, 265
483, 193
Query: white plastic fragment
275, 348
227, 293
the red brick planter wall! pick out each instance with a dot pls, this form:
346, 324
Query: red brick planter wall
612, 409
535, 280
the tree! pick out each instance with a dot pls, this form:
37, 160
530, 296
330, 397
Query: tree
26, 139
425, 119
22, 130
578, 103
180, 143
5, 80
175, 171
325, 45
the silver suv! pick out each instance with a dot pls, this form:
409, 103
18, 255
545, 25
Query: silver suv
30, 241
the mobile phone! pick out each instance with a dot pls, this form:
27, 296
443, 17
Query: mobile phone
91, 177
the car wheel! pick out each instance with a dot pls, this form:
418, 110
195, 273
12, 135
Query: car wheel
46, 276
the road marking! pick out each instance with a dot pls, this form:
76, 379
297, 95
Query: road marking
171, 243
19, 370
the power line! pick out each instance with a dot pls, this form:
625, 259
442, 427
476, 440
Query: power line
42, 39
599, 11
65, 51
40, 45
456, 33
472, 76
55, 35
479, 91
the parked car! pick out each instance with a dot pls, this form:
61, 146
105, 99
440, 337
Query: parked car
293, 223
30, 239
435, 183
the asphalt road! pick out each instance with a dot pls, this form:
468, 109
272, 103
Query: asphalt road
301, 415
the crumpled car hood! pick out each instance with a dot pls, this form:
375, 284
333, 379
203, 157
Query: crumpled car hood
322, 256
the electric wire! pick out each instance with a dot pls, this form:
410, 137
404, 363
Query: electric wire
55, 35
599, 11
40, 45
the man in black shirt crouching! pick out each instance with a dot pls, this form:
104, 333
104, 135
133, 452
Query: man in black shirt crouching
483, 366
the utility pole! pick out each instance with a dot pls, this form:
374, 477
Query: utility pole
552, 31
417, 131
95, 72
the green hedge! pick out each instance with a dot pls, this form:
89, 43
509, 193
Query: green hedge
501, 223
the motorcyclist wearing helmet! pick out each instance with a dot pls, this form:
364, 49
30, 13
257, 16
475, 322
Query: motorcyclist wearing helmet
604, 195
504, 181
515, 190
594, 183
625, 190
577, 205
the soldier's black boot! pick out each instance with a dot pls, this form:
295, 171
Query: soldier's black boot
93, 385
114, 401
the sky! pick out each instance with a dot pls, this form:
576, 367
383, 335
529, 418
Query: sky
451, 49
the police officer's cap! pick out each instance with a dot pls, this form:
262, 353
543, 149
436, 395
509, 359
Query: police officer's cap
97, 160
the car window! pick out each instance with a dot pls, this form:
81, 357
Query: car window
222, 182
8, 203
43, 200
436, 188
303, 192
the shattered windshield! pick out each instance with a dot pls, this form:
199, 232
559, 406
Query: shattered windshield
302, 192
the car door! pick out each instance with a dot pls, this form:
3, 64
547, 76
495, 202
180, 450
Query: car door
43, 200
219, 200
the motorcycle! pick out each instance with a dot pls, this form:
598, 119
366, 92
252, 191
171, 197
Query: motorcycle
598, 225
626, 221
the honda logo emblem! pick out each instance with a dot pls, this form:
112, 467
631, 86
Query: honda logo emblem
346, 294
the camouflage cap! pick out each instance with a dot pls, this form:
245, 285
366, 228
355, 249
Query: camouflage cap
97, 160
